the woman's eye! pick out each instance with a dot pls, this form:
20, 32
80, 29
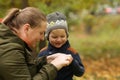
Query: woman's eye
42, 33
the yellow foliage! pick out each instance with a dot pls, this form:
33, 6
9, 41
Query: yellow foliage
101, 69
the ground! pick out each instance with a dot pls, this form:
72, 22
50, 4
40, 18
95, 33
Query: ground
101, 69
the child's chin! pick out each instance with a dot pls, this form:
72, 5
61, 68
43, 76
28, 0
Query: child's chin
57, 46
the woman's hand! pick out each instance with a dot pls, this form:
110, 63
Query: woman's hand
59, 60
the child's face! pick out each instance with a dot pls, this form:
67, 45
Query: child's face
57, 37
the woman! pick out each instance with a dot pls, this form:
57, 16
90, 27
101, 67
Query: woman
19, 33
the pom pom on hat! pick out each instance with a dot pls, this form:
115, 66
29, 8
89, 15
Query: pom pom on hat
56, 20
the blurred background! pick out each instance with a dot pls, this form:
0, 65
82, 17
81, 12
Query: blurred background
94, 27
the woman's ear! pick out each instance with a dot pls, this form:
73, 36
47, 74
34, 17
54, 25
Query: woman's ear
23, 31
26, 28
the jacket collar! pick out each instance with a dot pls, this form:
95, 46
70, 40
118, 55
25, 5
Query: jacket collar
8, 36
61, 49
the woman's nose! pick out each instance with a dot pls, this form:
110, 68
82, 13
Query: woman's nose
42, 38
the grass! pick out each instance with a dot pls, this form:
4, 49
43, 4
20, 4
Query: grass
104, 41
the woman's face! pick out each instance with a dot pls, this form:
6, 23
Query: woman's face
35, 35
57, 37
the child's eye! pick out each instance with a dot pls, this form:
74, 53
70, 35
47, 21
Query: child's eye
62, 36
54, 37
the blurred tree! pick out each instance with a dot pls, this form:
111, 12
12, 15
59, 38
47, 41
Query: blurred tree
12, 3
24, 3
89, 21
19, 4
47, 2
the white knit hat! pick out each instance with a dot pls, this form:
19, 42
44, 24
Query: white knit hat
56, 20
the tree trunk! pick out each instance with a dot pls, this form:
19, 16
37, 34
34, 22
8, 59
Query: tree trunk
12, 3
24, 3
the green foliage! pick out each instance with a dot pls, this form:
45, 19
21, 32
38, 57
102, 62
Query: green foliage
43, 7
5, 5
104, 43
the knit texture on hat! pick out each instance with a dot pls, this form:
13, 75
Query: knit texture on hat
56, 20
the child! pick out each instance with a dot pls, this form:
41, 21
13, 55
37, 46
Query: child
57, 36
